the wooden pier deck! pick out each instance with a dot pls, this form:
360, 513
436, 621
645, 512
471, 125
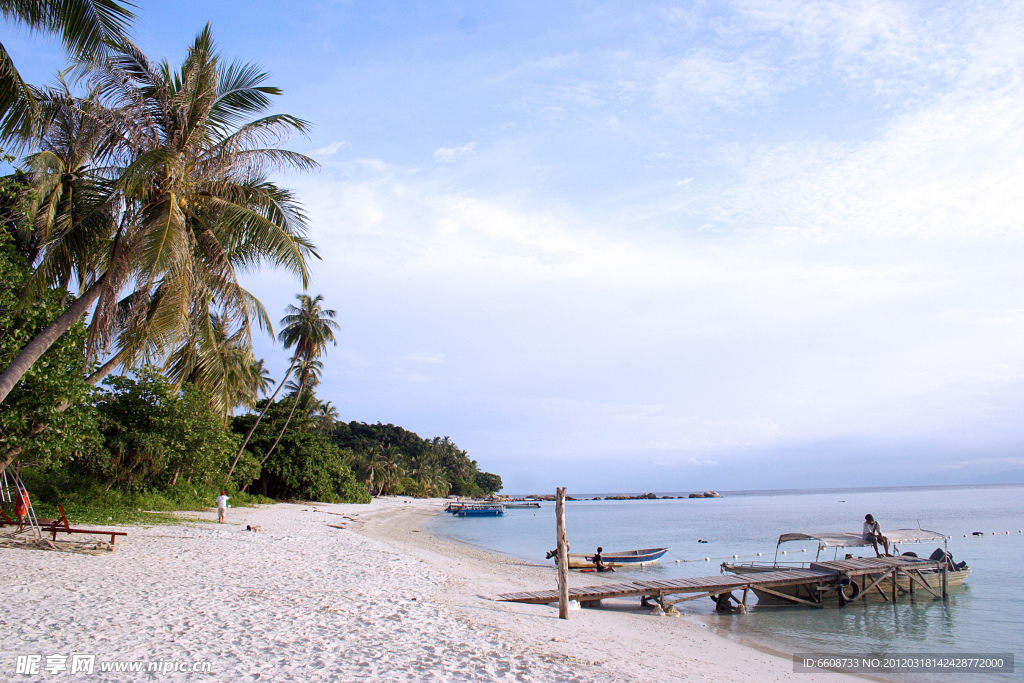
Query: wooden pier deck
816, 580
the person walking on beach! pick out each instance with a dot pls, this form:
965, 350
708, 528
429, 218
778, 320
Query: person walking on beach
873, 532
222, 506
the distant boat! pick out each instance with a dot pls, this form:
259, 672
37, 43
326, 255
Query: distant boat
489, 511
477, 509
625, 558
521, 506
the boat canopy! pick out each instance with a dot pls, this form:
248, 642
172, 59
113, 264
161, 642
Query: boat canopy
847, 539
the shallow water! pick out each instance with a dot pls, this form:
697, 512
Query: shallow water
985, 616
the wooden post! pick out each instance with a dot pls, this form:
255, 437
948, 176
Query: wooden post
945, 566
563, 554
895, 573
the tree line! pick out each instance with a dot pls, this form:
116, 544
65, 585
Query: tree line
142, 192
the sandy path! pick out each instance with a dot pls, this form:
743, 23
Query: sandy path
303, 601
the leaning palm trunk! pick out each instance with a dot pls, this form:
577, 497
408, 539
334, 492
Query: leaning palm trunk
34, 350
108, 367
295, 405
40, 427
256, 424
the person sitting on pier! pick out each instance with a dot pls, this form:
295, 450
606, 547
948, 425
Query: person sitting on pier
873, 533
599, 562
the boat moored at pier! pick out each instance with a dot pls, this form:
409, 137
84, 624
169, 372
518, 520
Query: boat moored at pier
624, 558
938, 572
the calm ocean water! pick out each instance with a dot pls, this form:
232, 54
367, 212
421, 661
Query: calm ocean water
986, 616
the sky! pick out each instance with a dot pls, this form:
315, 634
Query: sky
659, 246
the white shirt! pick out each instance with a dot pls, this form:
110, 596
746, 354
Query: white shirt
222, 501
871, 528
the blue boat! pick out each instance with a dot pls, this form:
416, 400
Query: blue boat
464, 509
481, 511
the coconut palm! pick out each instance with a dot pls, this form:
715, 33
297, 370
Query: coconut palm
261, 378
375, 466
312, 327
87, 28
306, 370
308, 327
306, 377
393, 468
219, 362
327, 416
190, 201
382, 467
438, 484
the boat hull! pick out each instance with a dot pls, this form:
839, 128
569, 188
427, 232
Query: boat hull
629, 558
492, 512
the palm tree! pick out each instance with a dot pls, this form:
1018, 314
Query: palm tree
87, 28
189, 200
261, 379
219, 362
393, 467
308, 327
423, 468
382, 466
375, 464
327, 416
438, 483
312, 370
311, 326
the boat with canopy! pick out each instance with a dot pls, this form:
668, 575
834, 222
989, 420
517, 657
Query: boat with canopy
956, 573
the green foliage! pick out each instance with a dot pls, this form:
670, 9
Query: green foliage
33, 418
389, 457
87, 501
488, 483
155, 436
305, 464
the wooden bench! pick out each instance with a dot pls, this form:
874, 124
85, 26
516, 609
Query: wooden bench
61, 525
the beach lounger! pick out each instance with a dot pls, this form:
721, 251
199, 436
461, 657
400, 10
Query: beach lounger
61, 525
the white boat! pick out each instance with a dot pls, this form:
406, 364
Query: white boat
623, 558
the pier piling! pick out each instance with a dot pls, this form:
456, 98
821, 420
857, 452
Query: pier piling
563, 554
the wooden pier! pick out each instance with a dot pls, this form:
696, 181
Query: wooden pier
841, 580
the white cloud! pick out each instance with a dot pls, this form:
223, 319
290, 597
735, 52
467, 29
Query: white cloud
450, 155
426, 357
704, 78
741, 340
331, 149
855, 277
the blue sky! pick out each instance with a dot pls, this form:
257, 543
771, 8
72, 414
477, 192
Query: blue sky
671, 247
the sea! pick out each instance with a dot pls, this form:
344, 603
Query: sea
984, 525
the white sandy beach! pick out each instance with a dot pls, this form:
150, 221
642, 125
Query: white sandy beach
304, 601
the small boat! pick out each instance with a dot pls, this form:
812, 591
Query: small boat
477, 510
455, 506
521, 506
956, 573
625, 558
